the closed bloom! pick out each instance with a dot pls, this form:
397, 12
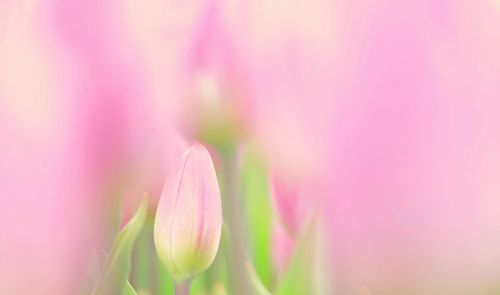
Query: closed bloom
189, 217
294, 200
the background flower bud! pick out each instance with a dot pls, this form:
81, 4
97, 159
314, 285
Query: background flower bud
293, 200
189, 216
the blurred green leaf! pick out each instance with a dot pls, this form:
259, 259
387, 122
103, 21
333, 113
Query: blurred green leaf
257, 287
128, 289
297, 279
165, 284
141, 274
118, 264
256, 189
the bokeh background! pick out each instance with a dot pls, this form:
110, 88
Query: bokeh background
357, 142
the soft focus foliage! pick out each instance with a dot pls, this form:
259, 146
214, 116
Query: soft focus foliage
117, 268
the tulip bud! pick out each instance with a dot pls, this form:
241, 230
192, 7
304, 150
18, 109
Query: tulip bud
293, 202
189, 217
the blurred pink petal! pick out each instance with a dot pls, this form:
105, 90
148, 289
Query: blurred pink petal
294, 202
47, 199
282, 248
285, 52
414, 200
128, 120
149, 177
78, 124
246, 64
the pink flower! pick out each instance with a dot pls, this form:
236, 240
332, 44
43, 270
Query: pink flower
48, 197
189, 217
415, 146
77, 124
296, 202
128, 123
260, 67
293, 201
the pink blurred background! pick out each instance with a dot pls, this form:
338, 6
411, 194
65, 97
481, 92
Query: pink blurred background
386, 112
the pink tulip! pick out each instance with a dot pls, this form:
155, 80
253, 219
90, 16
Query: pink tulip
415, 147
78, 124
286, 55
189, 217
296, 203
48, 199
127, 121
293, 201
247, 65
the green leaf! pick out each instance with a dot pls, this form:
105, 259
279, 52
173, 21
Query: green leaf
128, 289
259, 209
298, 278
165, 284
118, 264
257, 287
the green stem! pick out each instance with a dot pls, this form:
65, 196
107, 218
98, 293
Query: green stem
236, 224
182, 288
